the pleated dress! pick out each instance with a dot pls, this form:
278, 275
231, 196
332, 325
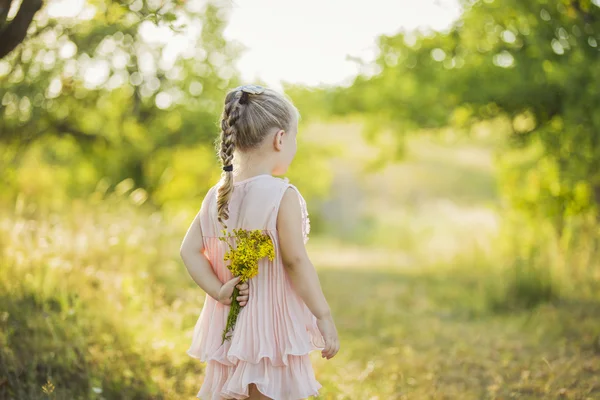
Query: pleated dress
275, 331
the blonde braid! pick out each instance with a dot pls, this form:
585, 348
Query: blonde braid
231, 114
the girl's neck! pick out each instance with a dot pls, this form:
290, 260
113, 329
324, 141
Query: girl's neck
252, 166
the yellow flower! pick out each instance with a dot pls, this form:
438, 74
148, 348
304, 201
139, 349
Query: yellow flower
243, 256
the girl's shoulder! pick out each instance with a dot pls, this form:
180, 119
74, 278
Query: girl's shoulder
265, 183
265, 187
285, 186
281, 185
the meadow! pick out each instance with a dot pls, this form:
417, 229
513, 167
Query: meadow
96, 304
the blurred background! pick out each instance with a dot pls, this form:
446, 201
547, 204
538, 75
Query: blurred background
449, 152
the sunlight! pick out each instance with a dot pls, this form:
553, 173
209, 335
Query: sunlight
290, 42
65, 8
309, 42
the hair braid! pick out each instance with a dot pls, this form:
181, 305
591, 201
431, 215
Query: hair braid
231, 114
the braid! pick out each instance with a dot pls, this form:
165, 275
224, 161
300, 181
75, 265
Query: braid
231, 114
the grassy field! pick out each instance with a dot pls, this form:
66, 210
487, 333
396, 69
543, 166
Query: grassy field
426, 335
95, 303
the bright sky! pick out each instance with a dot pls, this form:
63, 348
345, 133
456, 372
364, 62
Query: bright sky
296, 41
308, 41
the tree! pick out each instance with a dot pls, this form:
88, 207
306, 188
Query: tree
13, 32
535, 62
100, 84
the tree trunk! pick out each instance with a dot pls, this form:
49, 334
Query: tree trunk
13, 33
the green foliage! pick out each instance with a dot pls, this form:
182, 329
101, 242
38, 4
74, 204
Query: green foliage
79, 305
94, 304
106, 99
110, 97
534, 62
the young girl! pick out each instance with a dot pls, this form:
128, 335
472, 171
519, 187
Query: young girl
284, 315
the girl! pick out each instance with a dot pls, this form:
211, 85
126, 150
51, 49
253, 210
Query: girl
285, 314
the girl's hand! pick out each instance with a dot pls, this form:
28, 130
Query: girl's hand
227, 290
328, 330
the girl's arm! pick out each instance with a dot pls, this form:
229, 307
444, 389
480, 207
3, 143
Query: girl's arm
301, 271
299, 267
199, 268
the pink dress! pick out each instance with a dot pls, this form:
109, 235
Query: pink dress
275, 331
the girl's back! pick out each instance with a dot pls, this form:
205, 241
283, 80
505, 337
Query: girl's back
284, 315
275, 329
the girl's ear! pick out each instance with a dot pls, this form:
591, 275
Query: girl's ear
278, 140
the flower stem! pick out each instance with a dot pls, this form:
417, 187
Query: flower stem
232, 316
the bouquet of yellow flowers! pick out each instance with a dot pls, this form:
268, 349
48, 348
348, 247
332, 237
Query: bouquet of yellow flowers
250, 247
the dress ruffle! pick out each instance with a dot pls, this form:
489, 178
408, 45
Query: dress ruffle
295, 381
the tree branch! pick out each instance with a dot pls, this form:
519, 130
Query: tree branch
4, 9
14, 33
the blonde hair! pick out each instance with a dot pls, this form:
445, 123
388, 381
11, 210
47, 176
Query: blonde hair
245, 121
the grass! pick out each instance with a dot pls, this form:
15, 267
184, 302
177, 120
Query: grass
95, 303
426, 335
96, 313
92, 303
